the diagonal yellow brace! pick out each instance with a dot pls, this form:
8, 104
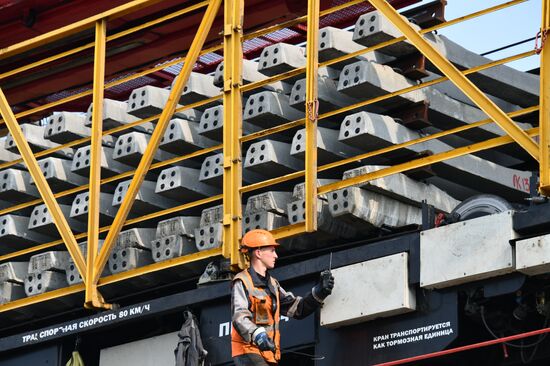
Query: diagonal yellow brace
42, 186
455, 76
312, 115
544, 123
93, 298
232, 131
146, 160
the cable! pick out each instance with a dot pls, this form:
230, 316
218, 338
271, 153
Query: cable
522, 346
507, 46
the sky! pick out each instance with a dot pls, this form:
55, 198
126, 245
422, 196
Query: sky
497, 29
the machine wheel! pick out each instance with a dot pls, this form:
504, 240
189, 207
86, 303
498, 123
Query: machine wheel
480, 205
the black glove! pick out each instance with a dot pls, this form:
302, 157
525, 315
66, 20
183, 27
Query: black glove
263, 342
325, 285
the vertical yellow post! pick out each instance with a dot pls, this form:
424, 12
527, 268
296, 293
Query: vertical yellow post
544, 123
154, 141
232, 129
93, 299
312, 106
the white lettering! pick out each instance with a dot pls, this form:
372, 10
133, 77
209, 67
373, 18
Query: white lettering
224, 329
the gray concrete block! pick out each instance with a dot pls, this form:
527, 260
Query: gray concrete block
35, 138
211, 124
199, 87
271, 158
64, 127
135, 238
180, 225
172, 246
58, 174
272, 201
263, 220
182, 137
251, 74
461, 177
366, 80
211, 215
130, 147
13, 272
335, 42
15, 235
48, 261
128, 258
80, 207
11, 291
15, 186
212, 172
502, 81
329, 97
114, 114
72, 275
183, 184
146, 200
405, 189
268, 109
370, 210
209, 237
298, 193
329, 148
39, 283
281, 57
41, 221
373, 28
109, 167
149, 101
6, 155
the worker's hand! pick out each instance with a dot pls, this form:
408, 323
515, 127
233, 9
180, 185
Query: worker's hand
325, 285
262, 340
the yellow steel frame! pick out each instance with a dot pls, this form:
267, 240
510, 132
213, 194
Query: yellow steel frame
544, 118
312, 107
92, 267
232, 131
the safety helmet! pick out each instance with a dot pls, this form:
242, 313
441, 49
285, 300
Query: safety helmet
257, 238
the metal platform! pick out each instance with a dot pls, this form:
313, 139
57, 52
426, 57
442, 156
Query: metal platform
183, 185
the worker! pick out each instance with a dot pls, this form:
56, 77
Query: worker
258, 301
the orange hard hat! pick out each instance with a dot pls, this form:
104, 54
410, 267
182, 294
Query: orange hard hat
258, 238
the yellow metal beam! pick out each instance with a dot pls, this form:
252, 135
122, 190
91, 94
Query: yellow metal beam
312, 114
93, 298
544, 123
41, 298
42, 185
454, 75
232, 130
422, 162
145, 163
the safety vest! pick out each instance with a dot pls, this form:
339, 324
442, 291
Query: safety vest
261, 307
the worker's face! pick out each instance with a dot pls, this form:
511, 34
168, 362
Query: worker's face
268, 256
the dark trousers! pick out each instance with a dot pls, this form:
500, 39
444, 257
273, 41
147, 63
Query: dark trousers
251, 359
